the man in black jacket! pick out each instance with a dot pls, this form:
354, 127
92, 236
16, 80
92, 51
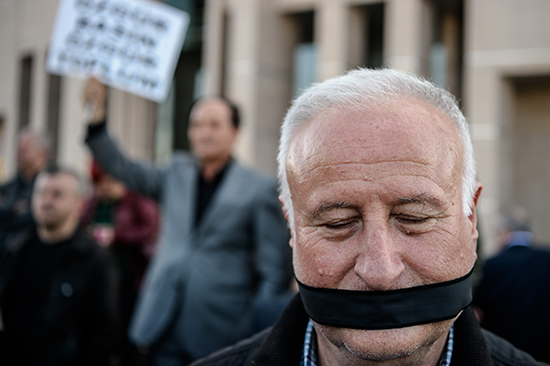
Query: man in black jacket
377, 181
513, 295
56, 284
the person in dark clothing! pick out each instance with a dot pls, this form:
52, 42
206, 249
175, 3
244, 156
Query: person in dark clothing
57, 295
513, 296
125, 223
377, 182
15, 195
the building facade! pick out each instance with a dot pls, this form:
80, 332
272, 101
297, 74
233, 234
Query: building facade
494, 55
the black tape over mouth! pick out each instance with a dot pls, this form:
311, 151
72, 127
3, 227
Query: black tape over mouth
375, 310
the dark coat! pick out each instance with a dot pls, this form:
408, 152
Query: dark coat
514, 297
15, 206
282, 344
79, 315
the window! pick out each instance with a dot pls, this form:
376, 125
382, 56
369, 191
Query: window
304, 58
54, 97
366, 36
445, 44
25, 91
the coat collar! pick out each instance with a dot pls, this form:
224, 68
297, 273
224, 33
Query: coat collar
229, 187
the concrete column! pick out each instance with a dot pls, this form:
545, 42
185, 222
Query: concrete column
242, 68
71, 151
8, 87
213, 47
404, 31
132, 122
258, 74
483, 100
39, 85
331, 37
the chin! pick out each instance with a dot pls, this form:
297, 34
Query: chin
387, 344
47, 224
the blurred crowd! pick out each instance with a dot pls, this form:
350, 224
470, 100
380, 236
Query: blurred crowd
143, 265
148, 266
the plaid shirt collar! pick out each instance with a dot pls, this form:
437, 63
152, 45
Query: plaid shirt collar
309, 353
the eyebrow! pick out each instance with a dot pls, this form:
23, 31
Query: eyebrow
423, 199
329, 206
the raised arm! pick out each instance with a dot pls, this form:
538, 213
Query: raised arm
140, 177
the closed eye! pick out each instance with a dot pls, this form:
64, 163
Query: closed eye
341, 229
412, 219
338, 225
411, 225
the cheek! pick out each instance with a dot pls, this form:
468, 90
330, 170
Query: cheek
447, 255
321, 263
36, 203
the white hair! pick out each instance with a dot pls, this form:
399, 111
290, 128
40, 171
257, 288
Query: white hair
361, 86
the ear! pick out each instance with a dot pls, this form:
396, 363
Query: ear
473, 217
292, 234
283, 207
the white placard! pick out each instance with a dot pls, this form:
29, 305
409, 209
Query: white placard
132, 45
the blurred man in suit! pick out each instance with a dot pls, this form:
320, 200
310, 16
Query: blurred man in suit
224, 241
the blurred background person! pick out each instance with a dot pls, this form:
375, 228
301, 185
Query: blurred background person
57, 300
15, 196
513, 296
125, 223
224, 241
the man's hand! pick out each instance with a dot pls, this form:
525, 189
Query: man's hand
95, 93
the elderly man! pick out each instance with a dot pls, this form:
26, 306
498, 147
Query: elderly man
223, 249
15, 196
378, 184
56, 284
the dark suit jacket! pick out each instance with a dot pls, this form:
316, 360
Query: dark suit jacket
204, 280
514, 296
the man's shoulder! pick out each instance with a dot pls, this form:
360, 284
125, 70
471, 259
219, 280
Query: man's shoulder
180, 156
10, 182
83, 245
182, 160
10, 186
254, 175
504, 353
14, 241
239, 354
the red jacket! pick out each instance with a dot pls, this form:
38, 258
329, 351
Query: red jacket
136, 224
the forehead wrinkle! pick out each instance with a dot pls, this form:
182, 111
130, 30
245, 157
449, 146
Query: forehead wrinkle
314, 169
309, 150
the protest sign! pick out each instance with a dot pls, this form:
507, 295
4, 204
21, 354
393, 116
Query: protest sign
132, 45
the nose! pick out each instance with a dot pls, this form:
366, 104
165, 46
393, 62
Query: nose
379, 262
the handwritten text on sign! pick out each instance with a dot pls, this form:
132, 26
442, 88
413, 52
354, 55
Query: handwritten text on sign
131, 45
